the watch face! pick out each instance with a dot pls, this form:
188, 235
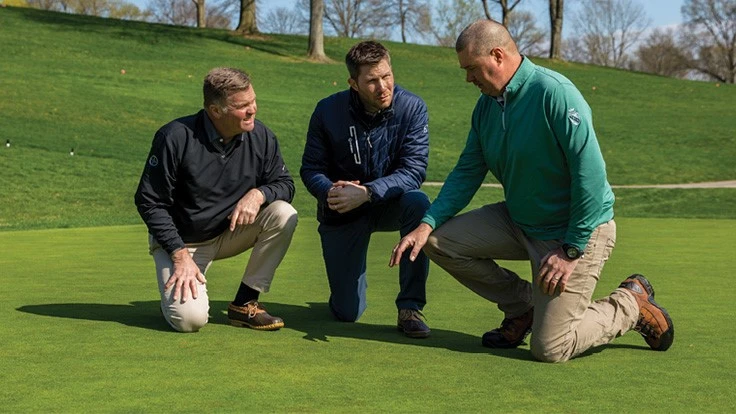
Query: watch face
572, 252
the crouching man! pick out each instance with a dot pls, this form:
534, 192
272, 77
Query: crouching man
214, 186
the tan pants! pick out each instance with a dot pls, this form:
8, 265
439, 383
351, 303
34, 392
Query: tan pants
269, 236
566, 324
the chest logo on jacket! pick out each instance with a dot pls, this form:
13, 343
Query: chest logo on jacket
355, 150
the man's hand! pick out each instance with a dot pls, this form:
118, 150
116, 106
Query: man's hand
185, 276
554, 271
346, 195
247, 209
417, 239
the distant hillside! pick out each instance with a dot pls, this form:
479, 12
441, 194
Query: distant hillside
62, 86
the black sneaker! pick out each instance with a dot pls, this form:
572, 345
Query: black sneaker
654, 323
254, 316
512, 332
411, 323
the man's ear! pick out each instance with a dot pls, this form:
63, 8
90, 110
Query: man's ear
352, 83
498, 54
215, 111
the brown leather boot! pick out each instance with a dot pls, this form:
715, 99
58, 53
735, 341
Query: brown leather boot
512, 332
253, 315
654, 322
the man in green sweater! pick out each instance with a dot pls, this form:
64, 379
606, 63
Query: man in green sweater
532, 129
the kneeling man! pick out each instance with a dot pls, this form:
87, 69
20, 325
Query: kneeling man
214, 186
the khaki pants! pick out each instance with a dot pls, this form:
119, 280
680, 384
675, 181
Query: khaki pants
566, 324
269, 237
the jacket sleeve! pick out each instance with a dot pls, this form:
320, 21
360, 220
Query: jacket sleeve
413, 159
155, 194
572, 123
315, 159
277, 182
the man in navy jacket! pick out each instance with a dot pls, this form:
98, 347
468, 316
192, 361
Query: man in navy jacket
364, 161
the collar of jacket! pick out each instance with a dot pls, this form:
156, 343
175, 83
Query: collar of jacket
523, 73
357, 109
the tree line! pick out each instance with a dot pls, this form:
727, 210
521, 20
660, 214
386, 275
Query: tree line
614, 33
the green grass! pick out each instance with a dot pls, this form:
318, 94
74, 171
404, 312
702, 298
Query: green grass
82, 332
81, 326
61, 87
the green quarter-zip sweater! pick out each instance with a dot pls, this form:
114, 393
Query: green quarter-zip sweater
541, 146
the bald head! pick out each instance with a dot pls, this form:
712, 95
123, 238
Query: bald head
482, 36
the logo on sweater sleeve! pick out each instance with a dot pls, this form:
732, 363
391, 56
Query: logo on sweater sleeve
573, 116
153, 161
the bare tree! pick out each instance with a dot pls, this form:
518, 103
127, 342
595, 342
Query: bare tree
117, 9
176, 12
247, 22
556, 8
609, 28
54, 5
524, 30
711, 32
219, 14
506, 8
353, 18
411, 15
316, 49
451, 17
660, 54
185, 13
283, 20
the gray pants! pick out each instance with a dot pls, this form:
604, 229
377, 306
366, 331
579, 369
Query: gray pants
269, 237
566, 324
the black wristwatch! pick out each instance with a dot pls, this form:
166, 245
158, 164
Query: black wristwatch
572, 252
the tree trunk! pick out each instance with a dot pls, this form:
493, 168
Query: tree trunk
402, 19
201, 18
247, 24
555, 18
316, 50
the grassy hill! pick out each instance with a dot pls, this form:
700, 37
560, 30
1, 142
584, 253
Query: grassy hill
62, 88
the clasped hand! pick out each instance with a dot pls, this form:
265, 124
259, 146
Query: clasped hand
345, 196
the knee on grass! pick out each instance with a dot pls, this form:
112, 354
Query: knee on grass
548, 353
187, 318
346, 315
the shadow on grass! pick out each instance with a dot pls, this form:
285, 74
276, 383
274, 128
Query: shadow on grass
314, 320
138, 314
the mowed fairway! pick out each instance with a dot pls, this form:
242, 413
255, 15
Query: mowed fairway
80, 327
82, 332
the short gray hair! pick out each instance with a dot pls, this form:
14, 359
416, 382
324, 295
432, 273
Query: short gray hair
482, 36
220, 83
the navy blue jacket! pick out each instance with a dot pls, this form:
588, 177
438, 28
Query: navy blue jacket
388, 152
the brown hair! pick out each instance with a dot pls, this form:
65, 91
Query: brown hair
368, 52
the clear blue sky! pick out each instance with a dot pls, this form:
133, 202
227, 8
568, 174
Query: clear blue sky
662, 12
